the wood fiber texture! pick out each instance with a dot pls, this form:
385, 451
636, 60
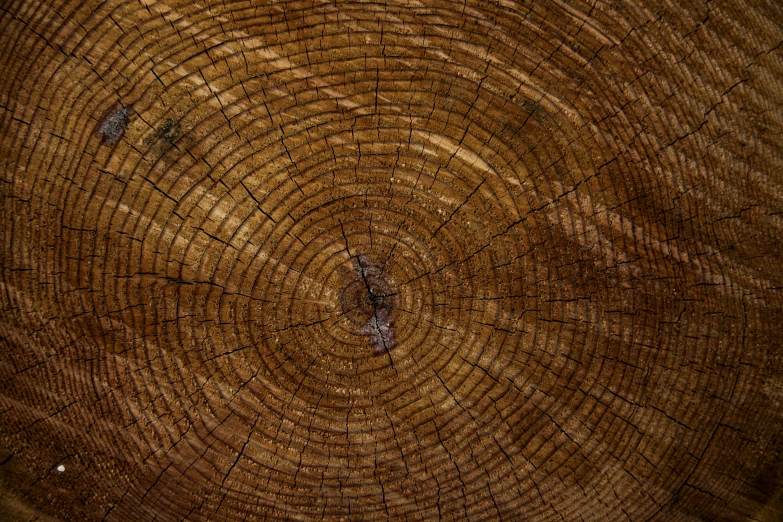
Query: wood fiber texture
408, 260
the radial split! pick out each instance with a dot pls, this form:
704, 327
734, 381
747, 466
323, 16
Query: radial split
368, 299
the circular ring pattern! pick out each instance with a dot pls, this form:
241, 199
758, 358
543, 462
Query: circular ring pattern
410, 260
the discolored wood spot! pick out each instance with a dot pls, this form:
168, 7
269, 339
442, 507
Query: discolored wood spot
112, 126
368, 299
168, 132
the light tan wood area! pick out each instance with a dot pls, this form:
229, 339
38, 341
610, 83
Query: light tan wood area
408, 260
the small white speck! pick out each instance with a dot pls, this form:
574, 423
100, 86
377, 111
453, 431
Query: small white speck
60, 468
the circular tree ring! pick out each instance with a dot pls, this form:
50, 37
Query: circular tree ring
408, 260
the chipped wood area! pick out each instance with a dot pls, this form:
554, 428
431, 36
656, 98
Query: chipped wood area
406, 260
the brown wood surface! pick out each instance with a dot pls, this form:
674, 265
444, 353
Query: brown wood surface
410, 260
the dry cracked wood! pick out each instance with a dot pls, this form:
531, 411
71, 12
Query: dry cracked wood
412, 260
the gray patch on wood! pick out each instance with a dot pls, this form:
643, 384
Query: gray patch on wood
113, 125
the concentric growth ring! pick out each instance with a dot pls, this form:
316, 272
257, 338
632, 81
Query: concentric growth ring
412, 260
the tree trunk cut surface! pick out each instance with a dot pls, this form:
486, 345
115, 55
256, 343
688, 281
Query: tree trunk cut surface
408, 260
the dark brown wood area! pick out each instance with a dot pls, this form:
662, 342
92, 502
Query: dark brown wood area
410, 260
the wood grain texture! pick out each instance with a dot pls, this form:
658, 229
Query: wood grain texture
409, 260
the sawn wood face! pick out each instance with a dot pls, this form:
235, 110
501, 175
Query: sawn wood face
407, 260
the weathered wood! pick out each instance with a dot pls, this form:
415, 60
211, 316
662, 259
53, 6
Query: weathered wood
413, 260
